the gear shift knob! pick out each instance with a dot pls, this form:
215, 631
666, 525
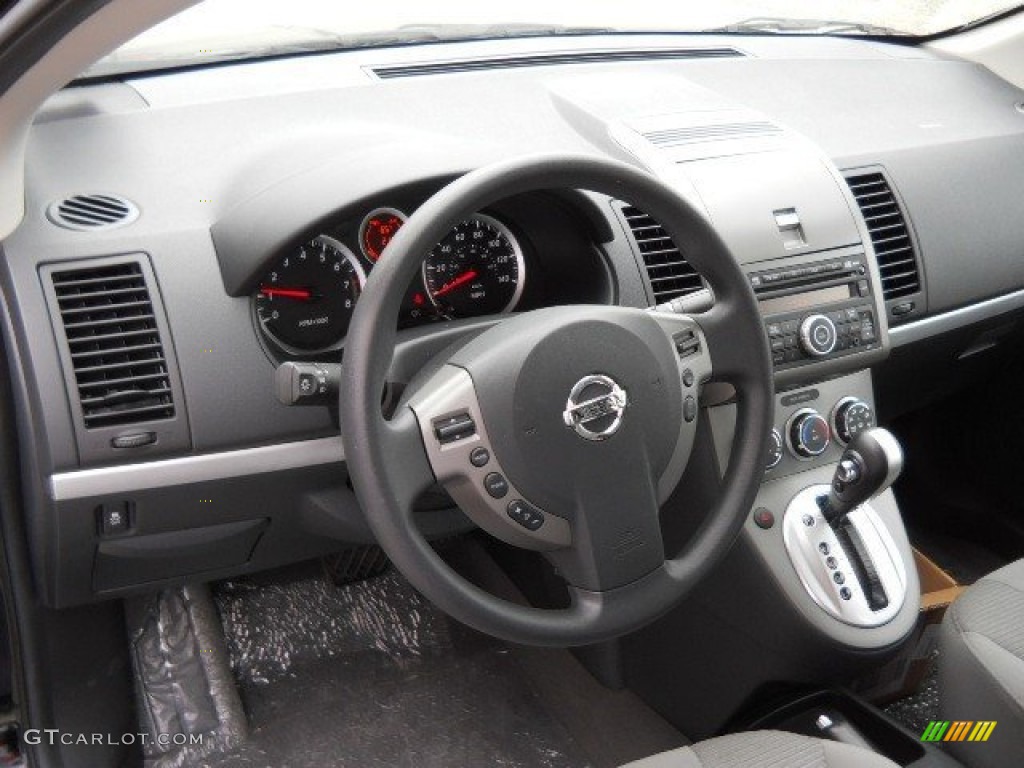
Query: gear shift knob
870, 464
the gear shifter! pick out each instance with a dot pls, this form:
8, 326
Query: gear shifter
870, 464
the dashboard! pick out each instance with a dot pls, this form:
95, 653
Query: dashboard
190, 232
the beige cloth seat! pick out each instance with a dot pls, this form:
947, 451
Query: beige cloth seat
981, 667
766, 749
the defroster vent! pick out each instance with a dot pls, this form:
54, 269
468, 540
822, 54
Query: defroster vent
894, 246
114, 344
670, 274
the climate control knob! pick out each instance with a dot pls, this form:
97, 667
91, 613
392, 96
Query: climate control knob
817, 335
850, 417
808, 434
774, 449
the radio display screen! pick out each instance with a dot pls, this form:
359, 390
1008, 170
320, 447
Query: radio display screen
805, 300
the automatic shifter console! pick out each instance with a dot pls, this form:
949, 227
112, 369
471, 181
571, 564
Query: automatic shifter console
841, 549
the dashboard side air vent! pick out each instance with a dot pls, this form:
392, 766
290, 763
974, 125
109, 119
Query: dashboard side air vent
113, 344
92, 212
890, 235
670, 275
390, 71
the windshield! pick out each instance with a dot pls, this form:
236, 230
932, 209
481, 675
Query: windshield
219, 30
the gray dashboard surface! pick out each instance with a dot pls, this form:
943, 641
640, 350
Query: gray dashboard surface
190, 147
195, 148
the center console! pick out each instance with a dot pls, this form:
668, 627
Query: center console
811, 594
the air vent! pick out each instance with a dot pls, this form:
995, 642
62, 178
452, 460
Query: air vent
114, 345
670, 274
699, 134
890, 236
391, 71
91, 212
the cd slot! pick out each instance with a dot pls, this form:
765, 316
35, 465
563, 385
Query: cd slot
799, 285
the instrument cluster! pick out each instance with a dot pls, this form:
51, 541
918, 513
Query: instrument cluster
304, 303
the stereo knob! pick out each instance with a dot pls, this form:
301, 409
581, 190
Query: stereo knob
850, 417
808, 434
817, 335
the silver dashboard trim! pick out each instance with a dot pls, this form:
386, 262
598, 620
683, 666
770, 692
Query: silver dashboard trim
927, 327
128, 478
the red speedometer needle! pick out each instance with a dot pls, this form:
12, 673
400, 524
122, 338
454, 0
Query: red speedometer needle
451, 285
302, 294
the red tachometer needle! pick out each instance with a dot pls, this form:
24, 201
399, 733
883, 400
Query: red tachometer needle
303, 294
451, 285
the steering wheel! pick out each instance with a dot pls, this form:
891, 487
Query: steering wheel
561, 430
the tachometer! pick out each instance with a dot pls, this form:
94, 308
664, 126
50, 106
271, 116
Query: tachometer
377, 229
477, 269
305, 303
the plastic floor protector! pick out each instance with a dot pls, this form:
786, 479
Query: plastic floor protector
372, 675
183, 682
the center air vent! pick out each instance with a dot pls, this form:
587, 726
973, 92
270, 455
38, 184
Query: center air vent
390, 71
890, 236
671, 276
92, 212
114, 345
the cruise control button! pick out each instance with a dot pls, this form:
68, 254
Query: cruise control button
479, 457
527, 516
496, 485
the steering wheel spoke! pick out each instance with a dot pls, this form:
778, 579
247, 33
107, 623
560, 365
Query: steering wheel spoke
465, 461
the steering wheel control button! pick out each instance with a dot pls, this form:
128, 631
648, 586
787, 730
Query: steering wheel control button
529, 517
774, 449
454, 428
479, 457
764, 518
845, 593
689, 408
688, 378
808, 434
824, 548
595, 407
838, 577
832, 563
850, 417
818, 335
808, 521
496, 485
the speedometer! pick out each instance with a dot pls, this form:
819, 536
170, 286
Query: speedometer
477, 269
305, 302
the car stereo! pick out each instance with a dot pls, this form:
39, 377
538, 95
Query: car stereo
817, 310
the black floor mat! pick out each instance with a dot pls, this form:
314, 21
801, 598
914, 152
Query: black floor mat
373, 675
914, 712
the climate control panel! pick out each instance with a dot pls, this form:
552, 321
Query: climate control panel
814, 427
